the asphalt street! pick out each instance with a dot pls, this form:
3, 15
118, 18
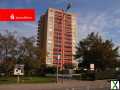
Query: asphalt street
66, 85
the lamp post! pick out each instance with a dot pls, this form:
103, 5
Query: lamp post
58, 56
57, 73
62, 60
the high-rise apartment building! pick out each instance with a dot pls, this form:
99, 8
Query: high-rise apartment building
57, 37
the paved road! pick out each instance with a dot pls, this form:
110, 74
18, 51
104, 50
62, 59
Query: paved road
67, 85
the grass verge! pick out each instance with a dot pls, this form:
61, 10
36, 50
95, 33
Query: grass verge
13, 80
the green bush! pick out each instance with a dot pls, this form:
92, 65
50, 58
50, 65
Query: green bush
105, 75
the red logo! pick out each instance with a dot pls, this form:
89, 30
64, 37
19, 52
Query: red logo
17, 14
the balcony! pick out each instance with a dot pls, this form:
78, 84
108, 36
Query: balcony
68, 21
56, 35
67, 53
68, 35
68, 30
58, 12
68, 39
58, 17
68, 44
58, 27
57, 49
68, 50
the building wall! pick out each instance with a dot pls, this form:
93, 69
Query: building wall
50, 38
42, 36
74, 30
57, 36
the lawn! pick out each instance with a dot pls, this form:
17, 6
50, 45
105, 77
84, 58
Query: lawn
13, 80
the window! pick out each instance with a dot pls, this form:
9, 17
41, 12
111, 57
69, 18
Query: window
49, 47
49, 59
49, 41
50, 29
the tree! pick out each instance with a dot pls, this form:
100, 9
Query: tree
8, 45
28, 55
93, 49
68, 66
21, 50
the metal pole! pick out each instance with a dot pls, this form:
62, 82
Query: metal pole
62, 64
18, 79
57, 73
63, 44
58, 57
68, 7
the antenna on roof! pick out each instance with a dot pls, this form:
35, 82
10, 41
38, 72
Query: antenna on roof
68, 6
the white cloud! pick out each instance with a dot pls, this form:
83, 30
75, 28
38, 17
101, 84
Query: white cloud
91, 23
23, 28
106, 23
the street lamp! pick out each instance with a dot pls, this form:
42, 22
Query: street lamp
58, 56
57, 74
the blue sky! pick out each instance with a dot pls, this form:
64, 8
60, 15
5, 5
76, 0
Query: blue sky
101, 16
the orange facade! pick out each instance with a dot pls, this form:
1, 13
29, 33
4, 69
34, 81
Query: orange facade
55, 27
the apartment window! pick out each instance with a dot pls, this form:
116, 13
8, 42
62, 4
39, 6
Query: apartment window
50, 29
49, 59
49, 50
49, 41
73, 41
49, 47
50, 23
49, 55
50, 34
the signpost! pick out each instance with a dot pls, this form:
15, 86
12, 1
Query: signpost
92, 67
18, 71
92, 71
